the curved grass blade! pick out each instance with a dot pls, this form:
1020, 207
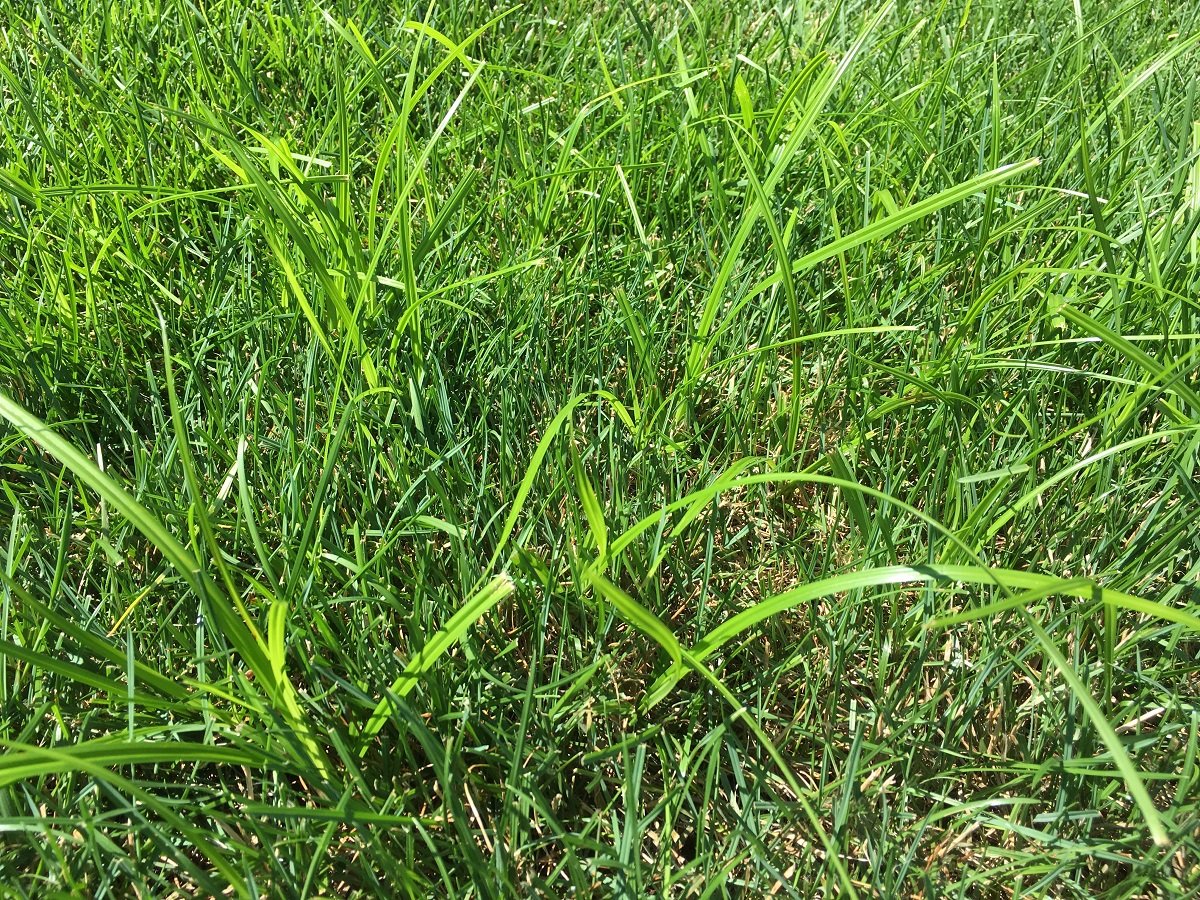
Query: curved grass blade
471, 612
239, 629
654, 627
1035, 584
118, 499
97, 758
539, 456
817, 97
1040, 586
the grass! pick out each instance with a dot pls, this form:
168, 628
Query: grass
629, 449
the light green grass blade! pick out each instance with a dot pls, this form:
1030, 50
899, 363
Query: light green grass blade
1037, 586
438, 644
84, 468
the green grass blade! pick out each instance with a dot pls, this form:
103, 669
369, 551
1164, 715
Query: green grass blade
474, 609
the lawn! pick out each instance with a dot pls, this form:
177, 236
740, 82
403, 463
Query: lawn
683, 449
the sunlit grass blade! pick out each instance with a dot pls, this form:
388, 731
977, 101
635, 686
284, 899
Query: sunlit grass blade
475, 608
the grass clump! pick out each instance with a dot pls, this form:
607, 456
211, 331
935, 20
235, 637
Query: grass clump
659, 450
